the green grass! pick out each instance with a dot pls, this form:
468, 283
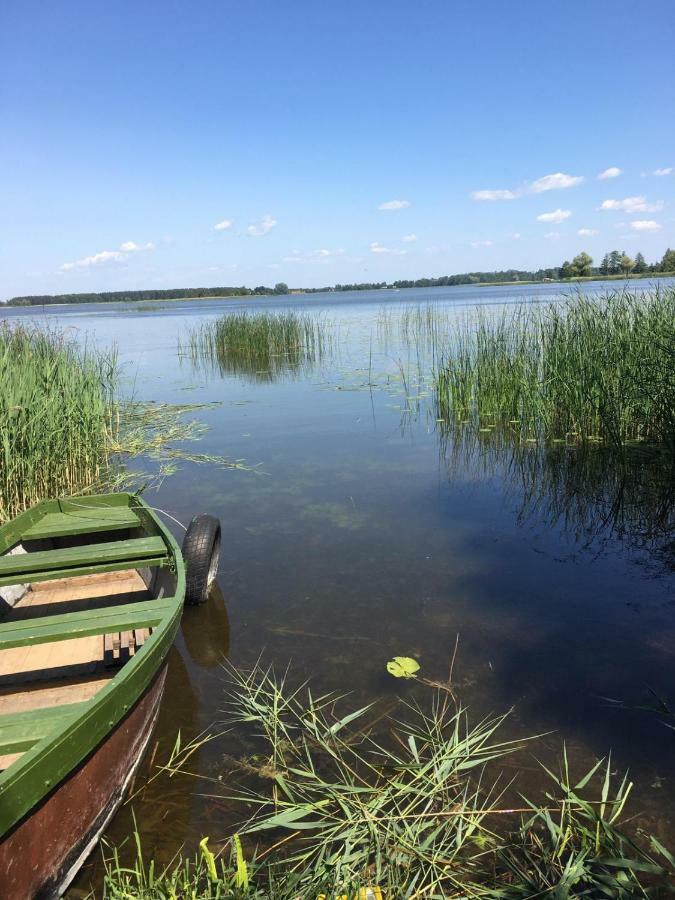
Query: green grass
260, 346
66, 429
596, 370
57, 416
335, 804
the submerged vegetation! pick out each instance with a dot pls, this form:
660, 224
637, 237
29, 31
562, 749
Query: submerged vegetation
65, 429
259, 346
404, 807
594, 371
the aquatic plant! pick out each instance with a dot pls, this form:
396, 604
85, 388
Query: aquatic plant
261, 346
333, 810
57, 415
65, 428
591, 371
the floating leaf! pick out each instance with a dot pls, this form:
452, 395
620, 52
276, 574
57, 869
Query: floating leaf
403, 667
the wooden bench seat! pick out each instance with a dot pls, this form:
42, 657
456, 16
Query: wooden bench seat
77, 520
68, 626
44, 565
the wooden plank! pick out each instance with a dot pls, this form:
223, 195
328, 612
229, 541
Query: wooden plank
51, 575
121, 581
19, 731
108, 659
80, 521
24, 565
146, 614
141, 635
33, 697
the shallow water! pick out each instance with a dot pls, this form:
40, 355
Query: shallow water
366, 533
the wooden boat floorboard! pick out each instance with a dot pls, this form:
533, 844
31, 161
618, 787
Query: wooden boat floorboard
76, 667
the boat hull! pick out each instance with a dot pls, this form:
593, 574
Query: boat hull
41, 855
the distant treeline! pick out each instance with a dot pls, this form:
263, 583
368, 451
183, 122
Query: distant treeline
616, 263
129, 296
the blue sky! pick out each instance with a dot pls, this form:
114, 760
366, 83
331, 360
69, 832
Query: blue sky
131, 130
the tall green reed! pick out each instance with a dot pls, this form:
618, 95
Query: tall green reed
65, 428
261, 346
57, 416
594, 370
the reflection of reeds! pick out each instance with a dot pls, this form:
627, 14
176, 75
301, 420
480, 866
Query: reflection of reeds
592, 492
598, 370
260, 346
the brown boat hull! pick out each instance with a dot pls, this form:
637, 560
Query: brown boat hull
43, 852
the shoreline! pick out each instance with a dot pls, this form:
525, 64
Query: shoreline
310, 292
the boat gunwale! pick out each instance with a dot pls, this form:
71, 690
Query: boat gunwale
44, 766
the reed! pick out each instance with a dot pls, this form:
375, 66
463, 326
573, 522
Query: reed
57, 418
259, 346
66, 429
593, 370
332, 811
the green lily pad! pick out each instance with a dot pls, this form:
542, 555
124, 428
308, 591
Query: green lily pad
403, 667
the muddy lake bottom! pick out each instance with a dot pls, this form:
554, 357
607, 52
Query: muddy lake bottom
363, 533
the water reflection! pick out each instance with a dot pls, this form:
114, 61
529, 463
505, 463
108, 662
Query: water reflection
595, 494
206, 630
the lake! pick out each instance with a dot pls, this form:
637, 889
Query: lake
366, 530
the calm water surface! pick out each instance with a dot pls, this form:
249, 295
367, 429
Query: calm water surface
365, 533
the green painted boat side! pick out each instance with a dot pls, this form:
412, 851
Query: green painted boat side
62, 742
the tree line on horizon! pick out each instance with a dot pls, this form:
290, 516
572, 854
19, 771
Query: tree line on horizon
617, 262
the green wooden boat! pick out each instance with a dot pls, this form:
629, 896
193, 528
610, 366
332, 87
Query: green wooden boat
91, 591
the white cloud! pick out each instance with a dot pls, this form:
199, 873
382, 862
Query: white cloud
409, 238
555, 182
587, 232
632, 204
222, 226
494, 195
552, 235
103, 257
376, 247
264, 226
612, 172
133, 247
481, 243
394, 204
661, 172
313, 255
557, 216
515, 235
106, 256
645, 225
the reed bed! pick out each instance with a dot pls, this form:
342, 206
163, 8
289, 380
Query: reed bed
58, 416
65, 428
260, 346
593, 370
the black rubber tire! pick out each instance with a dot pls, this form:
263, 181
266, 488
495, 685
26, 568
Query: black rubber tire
201, 552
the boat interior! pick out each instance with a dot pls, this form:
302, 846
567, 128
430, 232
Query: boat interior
80, 592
